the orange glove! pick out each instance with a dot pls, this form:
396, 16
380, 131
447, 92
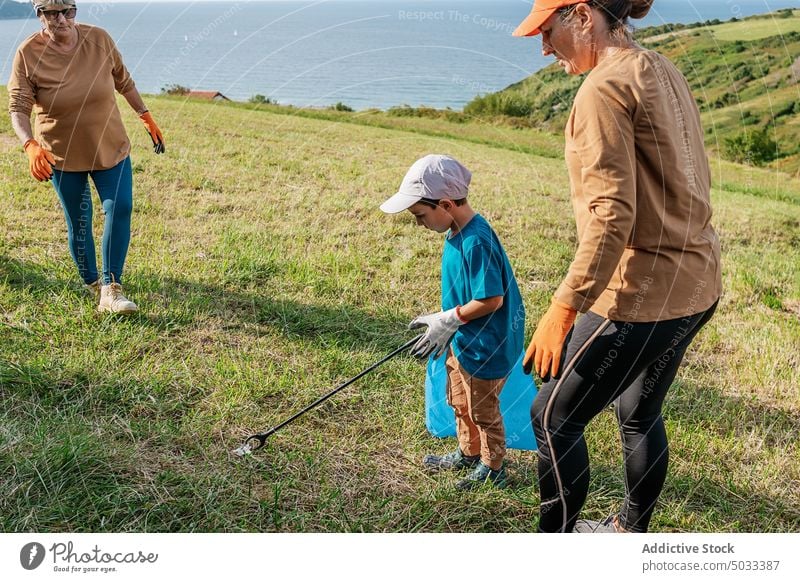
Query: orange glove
155, 133
544, 351
40, 161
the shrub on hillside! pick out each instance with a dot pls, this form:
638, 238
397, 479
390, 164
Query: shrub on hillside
748, 118
175, 89
737, 47
339, 106
724, 100
742, 73
259, 99
663, 29
753, 147
788, 108
510, 104
428, 112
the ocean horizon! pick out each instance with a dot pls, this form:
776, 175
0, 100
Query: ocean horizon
375, 54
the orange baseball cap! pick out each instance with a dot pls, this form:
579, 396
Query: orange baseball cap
542, 10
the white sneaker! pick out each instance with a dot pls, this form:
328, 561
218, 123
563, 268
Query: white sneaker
94, 290
112, 300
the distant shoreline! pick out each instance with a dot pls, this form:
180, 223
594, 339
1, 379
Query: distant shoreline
12, 10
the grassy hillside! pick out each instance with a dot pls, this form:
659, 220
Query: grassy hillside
266, 274
744, 75
757, 28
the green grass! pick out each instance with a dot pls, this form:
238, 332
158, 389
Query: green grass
436, 123
266, 275
757, 29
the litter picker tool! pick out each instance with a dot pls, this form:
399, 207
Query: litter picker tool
256, 441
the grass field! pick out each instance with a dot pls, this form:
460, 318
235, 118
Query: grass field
266, 274
749, 29
756, 29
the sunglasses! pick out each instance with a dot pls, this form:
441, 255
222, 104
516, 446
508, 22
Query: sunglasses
68, 13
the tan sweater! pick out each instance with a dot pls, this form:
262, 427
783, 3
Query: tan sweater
640, 191
73, 97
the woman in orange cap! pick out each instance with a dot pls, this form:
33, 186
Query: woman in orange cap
67, 74
646, 274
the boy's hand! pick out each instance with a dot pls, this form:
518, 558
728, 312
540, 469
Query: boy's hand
441, 327
544, 351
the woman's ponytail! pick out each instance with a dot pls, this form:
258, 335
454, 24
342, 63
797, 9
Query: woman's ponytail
640, 8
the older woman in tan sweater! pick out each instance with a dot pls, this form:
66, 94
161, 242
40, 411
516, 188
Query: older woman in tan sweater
646, 273
67, 75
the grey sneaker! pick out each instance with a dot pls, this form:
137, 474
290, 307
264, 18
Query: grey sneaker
483, 474
608, 525
450, 462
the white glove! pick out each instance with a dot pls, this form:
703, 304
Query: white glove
441, 328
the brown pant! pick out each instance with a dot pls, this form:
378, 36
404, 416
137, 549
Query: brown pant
478, 421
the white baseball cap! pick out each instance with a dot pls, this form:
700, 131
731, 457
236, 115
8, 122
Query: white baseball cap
434, 177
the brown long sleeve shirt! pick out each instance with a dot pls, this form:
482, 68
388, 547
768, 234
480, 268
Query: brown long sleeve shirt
77, 117
640, 185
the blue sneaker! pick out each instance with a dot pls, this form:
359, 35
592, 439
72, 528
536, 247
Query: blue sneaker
483, 474
450, 462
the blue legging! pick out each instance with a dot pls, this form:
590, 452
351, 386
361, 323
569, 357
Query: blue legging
115, 188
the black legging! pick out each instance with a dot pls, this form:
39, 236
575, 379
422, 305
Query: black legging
633, 363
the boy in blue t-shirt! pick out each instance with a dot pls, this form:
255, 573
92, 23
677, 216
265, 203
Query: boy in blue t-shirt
482, 313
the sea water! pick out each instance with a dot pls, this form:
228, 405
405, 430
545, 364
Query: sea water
315, 53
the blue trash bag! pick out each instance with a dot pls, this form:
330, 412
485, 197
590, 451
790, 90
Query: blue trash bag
516, 399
